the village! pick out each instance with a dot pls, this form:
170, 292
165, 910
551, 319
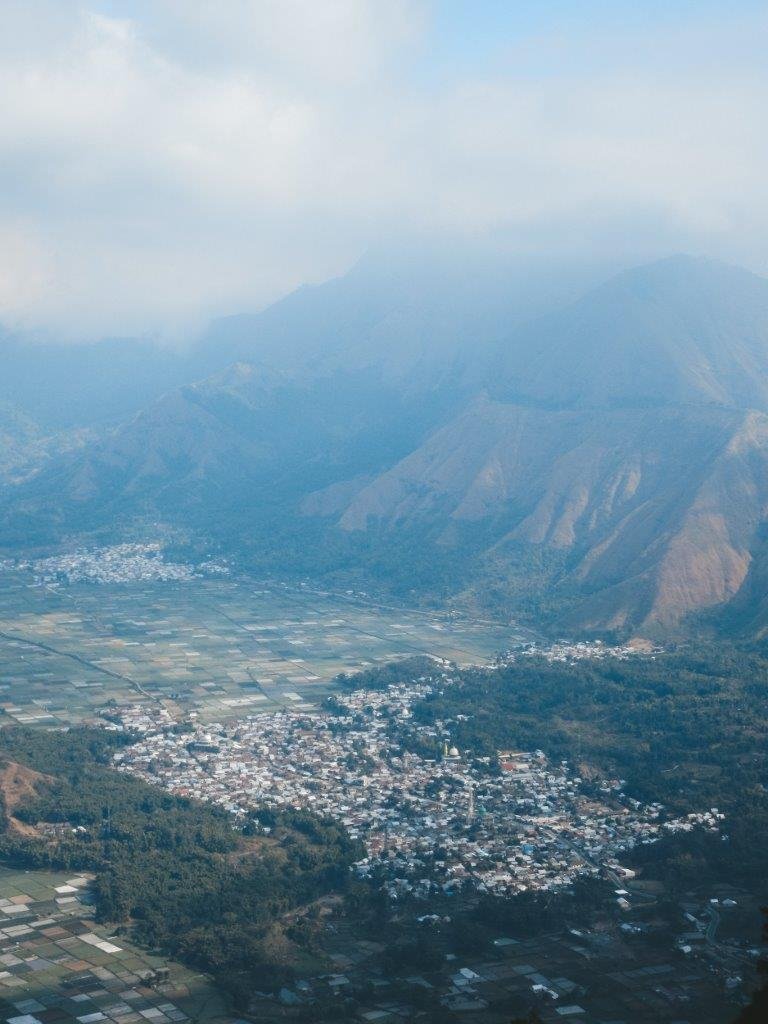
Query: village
569, 651
119, 563
429, 825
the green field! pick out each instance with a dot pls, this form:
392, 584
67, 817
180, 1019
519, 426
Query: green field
221, 647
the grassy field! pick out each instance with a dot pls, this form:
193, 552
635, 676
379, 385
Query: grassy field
223, 648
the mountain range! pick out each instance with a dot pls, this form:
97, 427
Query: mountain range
596, 461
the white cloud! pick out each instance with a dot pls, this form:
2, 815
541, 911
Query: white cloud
163, 160
24, 270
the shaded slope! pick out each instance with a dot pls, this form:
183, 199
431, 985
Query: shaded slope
226, 451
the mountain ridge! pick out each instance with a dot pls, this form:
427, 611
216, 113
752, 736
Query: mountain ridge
620, 438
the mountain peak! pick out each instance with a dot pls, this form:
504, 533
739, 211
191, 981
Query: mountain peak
682, 330
683, 276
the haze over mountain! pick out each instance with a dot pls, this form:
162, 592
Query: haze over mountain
98, 384
606, 459
678, 331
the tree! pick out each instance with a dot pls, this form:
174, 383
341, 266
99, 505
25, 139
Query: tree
757, 1011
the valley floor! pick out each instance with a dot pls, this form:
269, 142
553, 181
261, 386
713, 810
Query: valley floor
221, 647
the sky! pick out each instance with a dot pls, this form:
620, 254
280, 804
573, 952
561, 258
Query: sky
165, 161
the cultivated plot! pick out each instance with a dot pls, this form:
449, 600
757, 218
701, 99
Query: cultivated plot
58, 967
221, 647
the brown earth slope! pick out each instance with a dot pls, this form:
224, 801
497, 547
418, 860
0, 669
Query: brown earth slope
658, 510
18, 784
